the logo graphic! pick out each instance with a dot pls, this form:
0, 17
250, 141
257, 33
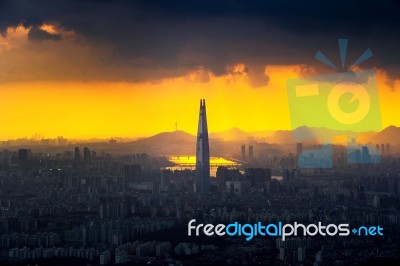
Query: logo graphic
340, 104
279, 229
358, 92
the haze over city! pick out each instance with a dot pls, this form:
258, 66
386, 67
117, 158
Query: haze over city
213, 132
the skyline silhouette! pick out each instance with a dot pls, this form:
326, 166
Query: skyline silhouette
107, 159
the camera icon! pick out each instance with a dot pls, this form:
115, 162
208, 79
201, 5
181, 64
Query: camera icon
339, 104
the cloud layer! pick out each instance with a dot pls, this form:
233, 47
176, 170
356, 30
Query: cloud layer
151, 40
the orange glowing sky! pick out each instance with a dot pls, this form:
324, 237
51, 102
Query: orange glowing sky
103, 109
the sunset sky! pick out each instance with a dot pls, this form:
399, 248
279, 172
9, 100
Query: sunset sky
84, 69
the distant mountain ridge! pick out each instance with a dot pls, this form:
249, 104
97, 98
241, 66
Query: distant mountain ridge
223, 143
390, 134
228, 142
172, 137
232, 134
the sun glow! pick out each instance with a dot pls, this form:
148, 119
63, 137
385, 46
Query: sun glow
105, 109
102, 109
191, 161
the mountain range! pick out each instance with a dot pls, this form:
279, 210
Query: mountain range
229, 141
390, 135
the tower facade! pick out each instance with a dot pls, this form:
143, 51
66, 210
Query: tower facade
251, 153
202, 153
243, 153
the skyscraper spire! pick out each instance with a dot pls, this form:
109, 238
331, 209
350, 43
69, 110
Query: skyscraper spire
202, 153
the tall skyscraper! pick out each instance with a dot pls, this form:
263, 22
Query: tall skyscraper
299, 149
202, 153
86, 155
251, 153
77, 154
166, 175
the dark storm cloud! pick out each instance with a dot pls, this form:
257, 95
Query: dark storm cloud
156, 39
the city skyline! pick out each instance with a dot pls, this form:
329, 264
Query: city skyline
107, 158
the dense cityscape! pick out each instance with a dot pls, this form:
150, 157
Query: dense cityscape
292, 157
89, 207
